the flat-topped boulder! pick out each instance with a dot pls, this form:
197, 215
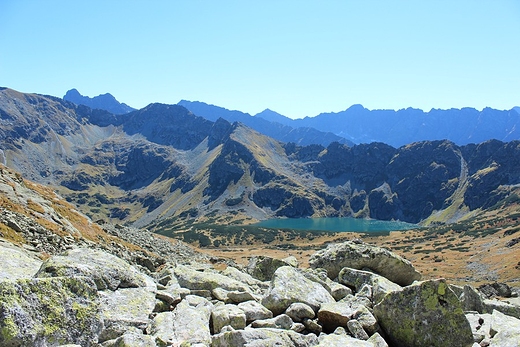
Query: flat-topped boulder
359, 255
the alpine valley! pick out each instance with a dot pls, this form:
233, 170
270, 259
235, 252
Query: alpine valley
93, 204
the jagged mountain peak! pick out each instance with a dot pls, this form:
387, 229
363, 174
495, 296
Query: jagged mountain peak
103, 101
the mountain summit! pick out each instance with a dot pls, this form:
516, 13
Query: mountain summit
104, 102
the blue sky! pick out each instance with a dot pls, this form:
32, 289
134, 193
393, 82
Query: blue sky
299, 58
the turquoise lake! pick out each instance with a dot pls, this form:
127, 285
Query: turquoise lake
336, 224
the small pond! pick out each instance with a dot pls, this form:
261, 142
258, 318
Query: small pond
336, 224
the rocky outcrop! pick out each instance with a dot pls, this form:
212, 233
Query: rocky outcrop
358, 255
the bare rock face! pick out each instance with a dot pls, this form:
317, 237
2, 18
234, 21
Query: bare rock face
424, 314
359, 255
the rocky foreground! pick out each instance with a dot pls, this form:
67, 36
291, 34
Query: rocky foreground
353, 294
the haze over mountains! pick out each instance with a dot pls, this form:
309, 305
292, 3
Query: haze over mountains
163, 163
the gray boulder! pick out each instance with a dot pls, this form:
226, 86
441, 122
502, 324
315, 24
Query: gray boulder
359, 255
123, 308
231, 315
42, 311
424, 314
282, 321
161, 328
335, 314
263, 268
17, 263
357, 330
254, 310
299, 311
263, 337
107, 270
190, 278
191, 322
289, 286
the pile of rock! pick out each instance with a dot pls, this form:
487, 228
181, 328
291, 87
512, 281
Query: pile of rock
353, 294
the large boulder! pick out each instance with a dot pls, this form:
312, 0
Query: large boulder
263, 267
263, 337
359, 255
124, 308
231, 315
505, 330
47, 311
254, 310
17, 263
289, 286
107, 270
424, 314
206, 280
191, 322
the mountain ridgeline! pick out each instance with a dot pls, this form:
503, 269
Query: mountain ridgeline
163, 163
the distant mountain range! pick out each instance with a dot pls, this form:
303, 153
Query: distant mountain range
104, 102
163, 164
354, 125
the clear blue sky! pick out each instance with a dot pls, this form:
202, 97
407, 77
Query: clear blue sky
298, 58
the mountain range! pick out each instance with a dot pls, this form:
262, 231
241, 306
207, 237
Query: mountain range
163, 164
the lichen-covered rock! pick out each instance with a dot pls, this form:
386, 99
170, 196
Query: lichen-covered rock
161, 328
127, 307
282, 321
357, 330
191, 322
49, 311
359, 255
134, 339
489, 305
17, 263
230, 315
254, 310
377, 340
246, 278
107, 270
263, 337
289, 286
263, 267
424, 314
299, 311
206, 280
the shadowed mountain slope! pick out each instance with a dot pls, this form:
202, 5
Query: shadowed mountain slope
162, 164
